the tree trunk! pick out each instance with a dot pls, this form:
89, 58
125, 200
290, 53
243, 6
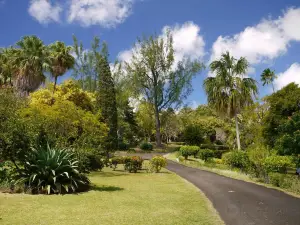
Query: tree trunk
55, 82
273, 87
237, 132
157, 127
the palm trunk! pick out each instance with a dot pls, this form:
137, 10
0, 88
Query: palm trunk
237, 132
273, 87
55, 82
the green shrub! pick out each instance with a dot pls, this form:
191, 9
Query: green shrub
206, 154
122, 146
6, 171
52, 171
277, 164
117, 160
187, 151
236, 159
95, 162
146, 146
157, 162
133, 164
276, 179
89, 160
288, 182
257, 155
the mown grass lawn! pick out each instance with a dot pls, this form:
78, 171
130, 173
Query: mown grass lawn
118, 198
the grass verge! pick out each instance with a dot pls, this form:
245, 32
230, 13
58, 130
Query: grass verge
117, 198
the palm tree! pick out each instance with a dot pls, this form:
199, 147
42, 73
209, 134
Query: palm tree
229, 91
60, 60
29, 60
267, 77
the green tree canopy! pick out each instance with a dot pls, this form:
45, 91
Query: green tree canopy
155, 75
281, 106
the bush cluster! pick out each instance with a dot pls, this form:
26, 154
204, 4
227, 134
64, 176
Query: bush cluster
89, 160
188, 150
236, 159
206, 154
146, 146
157, 163
131, 163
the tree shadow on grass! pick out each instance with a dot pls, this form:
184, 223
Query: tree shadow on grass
106, 188
165, 172
110, 174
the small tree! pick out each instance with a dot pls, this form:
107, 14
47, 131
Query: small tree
155, 76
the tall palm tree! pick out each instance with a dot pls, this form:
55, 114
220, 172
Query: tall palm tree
229, 91
29, 60
60, 60
267, 77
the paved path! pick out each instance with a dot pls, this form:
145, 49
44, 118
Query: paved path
242, 203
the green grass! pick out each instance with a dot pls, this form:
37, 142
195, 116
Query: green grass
117, 198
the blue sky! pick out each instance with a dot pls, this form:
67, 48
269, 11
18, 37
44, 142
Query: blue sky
266, 32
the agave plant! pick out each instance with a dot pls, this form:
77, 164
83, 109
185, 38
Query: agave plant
54, 171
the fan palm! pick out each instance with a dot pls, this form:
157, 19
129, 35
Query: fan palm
229, 91
29, 61
60, 60
267, 77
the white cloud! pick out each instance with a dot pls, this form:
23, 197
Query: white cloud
290, 24
107, 13
44, 11
125, 56
292, 74
265, 41
187, 42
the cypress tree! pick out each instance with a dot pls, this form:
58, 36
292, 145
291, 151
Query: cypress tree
106, 100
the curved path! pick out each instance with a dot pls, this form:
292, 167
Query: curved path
242, 203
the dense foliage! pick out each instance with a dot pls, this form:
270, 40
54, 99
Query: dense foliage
52, 171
